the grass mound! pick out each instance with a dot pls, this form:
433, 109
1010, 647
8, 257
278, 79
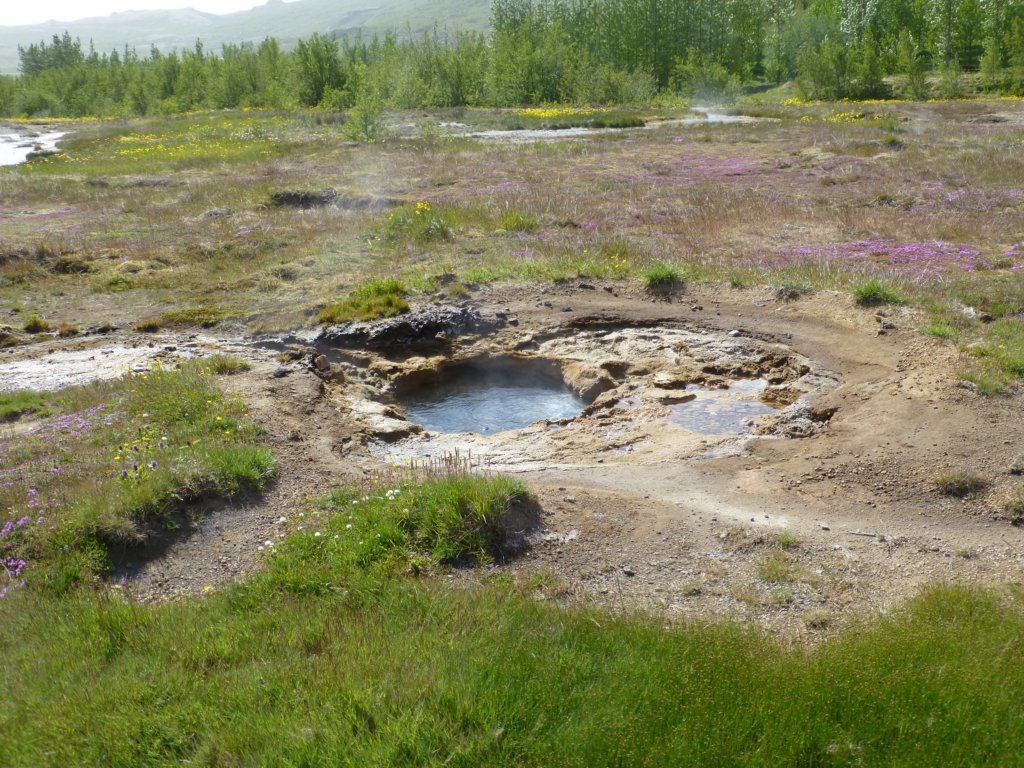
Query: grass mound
117, 460
370, 301
443, 522
663, 276
14, 405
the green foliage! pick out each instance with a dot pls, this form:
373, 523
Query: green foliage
399, 525
319, 68
14, 405
118, 459
517, 221
36, 324
777, 568
663, 276
873, 292
823, 73
226, 365
202, 317
559, 51
370, 301
999, 357
365, 121
378, 670
704, 80
911, 62
421, 223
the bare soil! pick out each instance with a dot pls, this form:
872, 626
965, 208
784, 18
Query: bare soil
685, 524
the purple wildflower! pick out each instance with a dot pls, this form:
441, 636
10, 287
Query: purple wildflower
8, 527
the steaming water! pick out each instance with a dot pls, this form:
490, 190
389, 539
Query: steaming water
722, 411
15, 147
491, 402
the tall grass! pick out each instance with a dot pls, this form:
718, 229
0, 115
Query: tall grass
395, 672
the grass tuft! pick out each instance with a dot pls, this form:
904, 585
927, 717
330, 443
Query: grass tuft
370, 301
36, 324
873, 292
959, 484
662, 276
118, 459
517, 221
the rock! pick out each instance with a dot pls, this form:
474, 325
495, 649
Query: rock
321, 363
218, 213
587, 381
669, 396
734, 334
280, 372
430, 326
669, 380
629, 571
303, 199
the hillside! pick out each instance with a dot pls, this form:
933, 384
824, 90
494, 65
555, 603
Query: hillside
285, 21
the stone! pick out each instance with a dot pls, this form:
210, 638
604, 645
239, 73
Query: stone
430, 326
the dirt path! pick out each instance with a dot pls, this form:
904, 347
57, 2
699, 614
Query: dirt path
685, 524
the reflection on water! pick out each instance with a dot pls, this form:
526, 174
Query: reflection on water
491, 401
722, 411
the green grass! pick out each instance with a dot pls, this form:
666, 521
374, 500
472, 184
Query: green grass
191, 317
787, 540
662, 276
777, 568
226, 365
873, 292
421, 223
117, 462
333, 664
372, 300
36, 324
999, 357
517, 221
14, 405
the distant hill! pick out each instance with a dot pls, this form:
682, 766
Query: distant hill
285, 21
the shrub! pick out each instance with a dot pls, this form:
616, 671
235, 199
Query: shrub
67, 330
787, 540
422, 223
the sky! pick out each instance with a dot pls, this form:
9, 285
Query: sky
14, 12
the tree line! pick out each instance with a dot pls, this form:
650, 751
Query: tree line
586, 51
